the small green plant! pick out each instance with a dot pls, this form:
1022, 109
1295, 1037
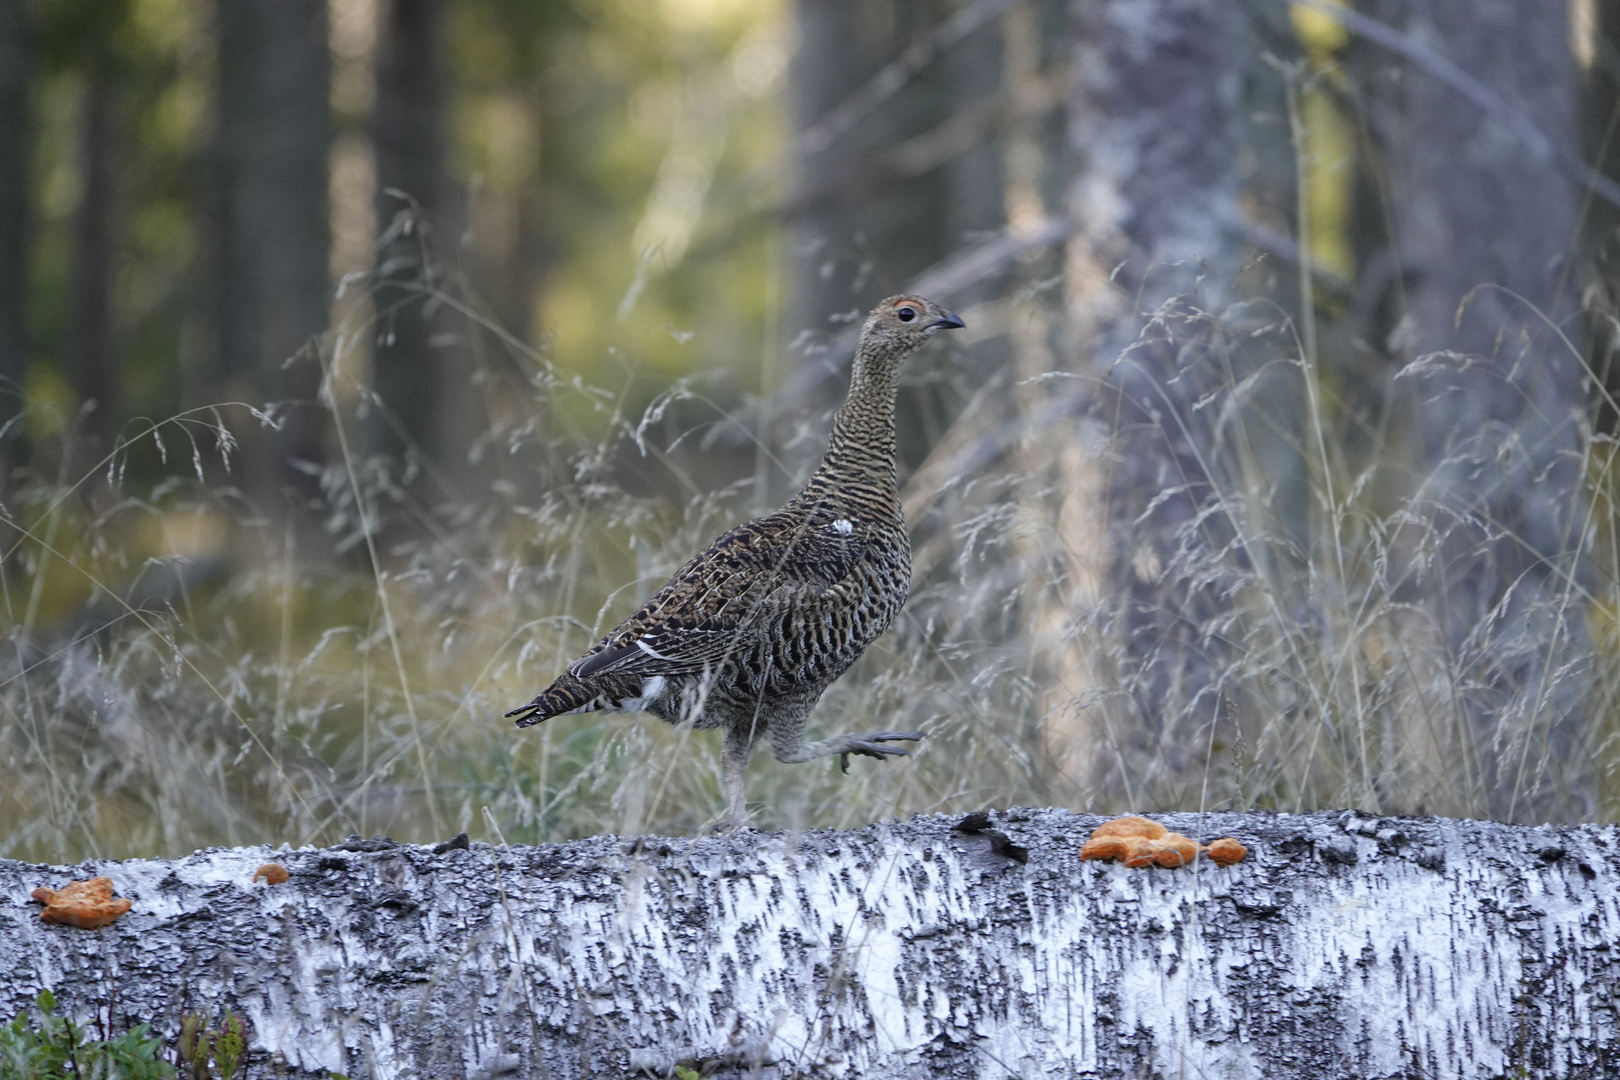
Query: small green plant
54, 1046
199, 1046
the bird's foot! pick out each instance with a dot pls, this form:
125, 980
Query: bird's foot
870, 744
732, 823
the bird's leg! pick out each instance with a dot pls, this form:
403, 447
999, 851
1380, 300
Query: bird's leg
787, 742
734, 763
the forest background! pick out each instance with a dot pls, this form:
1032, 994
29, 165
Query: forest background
362, 361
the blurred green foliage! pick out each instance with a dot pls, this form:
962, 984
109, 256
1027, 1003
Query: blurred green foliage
53, 1046
600, 146
205, 1052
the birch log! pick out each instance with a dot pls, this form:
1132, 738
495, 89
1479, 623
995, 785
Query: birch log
1344, 946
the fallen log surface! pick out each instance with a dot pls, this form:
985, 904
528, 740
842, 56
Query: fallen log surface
1343, 946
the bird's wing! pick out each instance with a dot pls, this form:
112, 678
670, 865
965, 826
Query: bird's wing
717, 604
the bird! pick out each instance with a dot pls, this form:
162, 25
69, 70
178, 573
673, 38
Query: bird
749, 633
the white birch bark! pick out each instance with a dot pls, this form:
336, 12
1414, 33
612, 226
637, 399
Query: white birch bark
1443, 949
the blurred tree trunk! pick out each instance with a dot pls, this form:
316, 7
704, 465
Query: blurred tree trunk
275, 289
1052, 554
15, 142
836, 55
92, 364
856, 232
974, 196
413, 364
1155, 133
1488, 229
1601, 227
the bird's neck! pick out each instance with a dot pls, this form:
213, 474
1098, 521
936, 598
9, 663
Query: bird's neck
860, 451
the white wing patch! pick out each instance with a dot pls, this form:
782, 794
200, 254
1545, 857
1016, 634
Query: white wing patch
641, 643
843, 525
652, 688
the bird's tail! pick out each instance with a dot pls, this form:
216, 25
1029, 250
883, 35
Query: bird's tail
566, 695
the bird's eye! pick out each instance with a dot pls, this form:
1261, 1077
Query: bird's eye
906, 314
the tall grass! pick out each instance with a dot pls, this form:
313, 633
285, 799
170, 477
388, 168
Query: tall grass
184, 668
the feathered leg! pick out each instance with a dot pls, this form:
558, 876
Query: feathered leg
733, 764
740, 733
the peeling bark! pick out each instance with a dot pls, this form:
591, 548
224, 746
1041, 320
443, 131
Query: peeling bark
1343, 947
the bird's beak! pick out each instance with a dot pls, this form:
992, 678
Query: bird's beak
951, 321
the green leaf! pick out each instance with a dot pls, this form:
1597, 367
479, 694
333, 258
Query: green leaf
54, 1047
228, 1046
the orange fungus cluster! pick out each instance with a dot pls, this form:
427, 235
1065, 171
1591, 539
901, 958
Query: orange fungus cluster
1136, 841
85, 904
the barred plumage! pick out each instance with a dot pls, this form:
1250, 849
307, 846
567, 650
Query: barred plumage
747, 635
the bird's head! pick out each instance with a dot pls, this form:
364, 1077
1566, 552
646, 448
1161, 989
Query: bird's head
901, 323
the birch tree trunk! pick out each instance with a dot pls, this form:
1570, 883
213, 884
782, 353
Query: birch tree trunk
1342, 947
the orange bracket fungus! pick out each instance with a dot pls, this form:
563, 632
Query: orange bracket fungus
1226, 851
1137, 842
85, 904
273, 874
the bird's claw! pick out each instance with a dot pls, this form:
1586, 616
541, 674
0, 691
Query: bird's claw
870, 744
